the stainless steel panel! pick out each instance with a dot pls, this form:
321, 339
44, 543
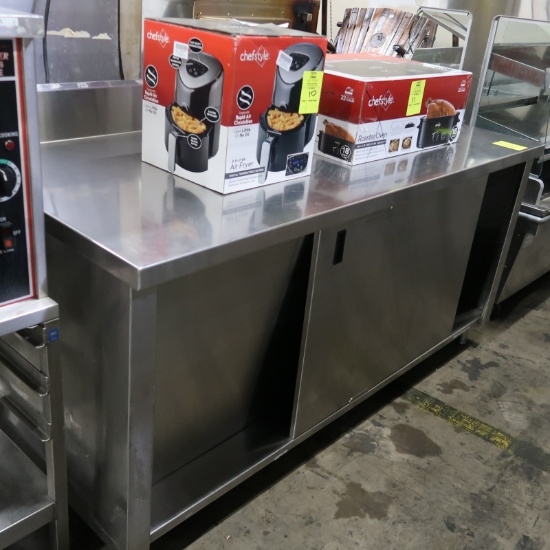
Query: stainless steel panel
448, 57
95, 358
82, 40
69, 111
141, 373
37, 8
532, 261
24, 502
190, 489
216, 349
54, 448
33, 352
109, 391
29, 394
16, 23
85, 59
71, 57
89, 185
525, 122
20, 359
385, 295
21, 315
167, 8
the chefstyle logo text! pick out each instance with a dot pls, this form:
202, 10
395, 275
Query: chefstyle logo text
261, 56
160, 36
384, 101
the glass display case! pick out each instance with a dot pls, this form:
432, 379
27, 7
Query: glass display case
506, 45
514, 95
515, 101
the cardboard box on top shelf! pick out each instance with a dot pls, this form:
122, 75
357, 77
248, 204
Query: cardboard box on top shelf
228, 105
375, 107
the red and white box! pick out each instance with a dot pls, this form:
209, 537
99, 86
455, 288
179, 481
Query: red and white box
375, 107
228, 105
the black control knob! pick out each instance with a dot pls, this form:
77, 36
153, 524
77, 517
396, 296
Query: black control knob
10, 180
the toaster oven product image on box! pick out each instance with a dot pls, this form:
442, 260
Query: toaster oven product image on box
284, 131
439, 126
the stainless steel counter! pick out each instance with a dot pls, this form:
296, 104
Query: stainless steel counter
144, 227
205, 335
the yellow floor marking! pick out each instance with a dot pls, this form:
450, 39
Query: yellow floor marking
459, 419
529, 452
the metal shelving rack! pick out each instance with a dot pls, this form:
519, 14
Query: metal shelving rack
33, 477
31, 418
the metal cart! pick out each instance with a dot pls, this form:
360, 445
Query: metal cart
32, 451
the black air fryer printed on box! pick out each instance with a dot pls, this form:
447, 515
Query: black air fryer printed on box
228, 105
375, 107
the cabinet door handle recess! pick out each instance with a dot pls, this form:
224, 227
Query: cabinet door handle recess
339, 247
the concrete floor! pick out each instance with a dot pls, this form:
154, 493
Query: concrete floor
454, 455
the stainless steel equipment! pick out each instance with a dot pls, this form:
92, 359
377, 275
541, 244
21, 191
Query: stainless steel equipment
475, 23
515, 101
207, 324
515, 88
31, 407
511, 57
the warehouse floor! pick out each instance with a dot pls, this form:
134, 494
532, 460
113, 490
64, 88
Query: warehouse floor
454, 455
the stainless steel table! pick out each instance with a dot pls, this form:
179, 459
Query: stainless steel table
205, 335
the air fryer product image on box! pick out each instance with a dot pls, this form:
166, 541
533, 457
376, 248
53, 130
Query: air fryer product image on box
192, 132
284, 132
374, 107
227, 105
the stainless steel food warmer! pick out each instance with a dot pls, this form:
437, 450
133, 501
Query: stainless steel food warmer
33, 474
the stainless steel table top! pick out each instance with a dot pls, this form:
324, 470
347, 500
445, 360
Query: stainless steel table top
146, 227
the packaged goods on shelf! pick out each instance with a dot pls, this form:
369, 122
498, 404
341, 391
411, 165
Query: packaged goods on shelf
374, 107
227, 105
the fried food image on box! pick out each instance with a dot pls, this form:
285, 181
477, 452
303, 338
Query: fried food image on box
337, 131
394, 146
186, 122
281, 121
439, 108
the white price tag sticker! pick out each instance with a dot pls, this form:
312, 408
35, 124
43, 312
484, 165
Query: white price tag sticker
181, 50
284, 61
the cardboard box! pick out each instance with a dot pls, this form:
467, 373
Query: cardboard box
374, 107
228, 105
